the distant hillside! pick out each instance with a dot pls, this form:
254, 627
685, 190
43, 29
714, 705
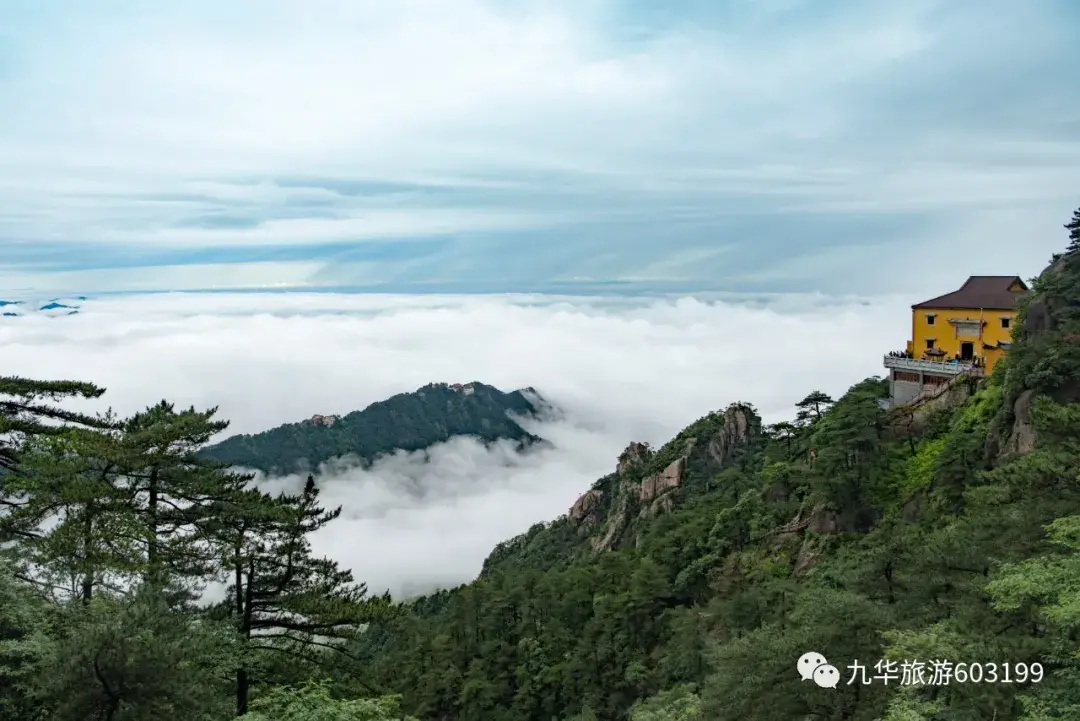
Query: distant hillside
408, 421
53, 308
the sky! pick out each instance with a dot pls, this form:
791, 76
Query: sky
618, 370
438, 146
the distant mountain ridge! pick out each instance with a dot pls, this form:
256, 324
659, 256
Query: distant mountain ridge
53, 308
413, 421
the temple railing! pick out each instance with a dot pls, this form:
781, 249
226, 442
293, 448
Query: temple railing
916, 365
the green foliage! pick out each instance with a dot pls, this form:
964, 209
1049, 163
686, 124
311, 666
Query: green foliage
680, 703
920, 468
134, 657
682, 443
24, 643
1052, 582
852, 457
407, 421
27, 405
1048, 587
313, 701
545, 545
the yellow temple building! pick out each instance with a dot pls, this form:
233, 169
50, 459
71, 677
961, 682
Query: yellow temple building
966, 331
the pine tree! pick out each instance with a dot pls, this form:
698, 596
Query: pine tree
1073, 226
29, 417
814, 405
25, 405
783, 431
176, 494
72, 518
126, 500
283, 599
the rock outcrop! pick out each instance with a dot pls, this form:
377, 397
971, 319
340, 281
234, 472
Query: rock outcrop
1021, 438
583, 512
663, 504
1039, 317
634, 457
659, 483
738, 431
823, 521
701, 450
1047, 320
613, 528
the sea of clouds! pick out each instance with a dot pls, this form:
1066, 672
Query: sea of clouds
620, 370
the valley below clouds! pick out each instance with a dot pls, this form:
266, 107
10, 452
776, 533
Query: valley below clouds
617, 369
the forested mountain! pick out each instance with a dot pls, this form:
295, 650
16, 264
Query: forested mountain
683, 586
407, 421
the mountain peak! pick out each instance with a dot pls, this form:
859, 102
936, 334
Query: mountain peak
411, 421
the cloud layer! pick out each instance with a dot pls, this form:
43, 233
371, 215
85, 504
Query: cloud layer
621, 369
474, 144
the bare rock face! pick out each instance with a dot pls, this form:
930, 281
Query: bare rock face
778, 492
823, 521
737, 431
635, 456
1044, 316
663, 504
1022, 438
614, 525
585, 507
1039, 312
1038, 317
860, 520
659, 483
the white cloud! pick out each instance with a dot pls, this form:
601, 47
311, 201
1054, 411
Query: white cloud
684, 115
233, 276
622, 369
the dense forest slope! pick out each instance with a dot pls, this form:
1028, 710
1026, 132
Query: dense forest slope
407, 421
685, 585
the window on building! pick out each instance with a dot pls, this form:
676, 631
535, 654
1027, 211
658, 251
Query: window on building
929, 343
1005, 321
930, 318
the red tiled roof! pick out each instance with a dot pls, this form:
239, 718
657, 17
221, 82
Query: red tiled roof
981, 291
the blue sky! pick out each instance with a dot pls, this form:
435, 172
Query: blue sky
747, 145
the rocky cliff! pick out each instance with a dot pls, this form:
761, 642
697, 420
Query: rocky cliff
1045, 359
648, 483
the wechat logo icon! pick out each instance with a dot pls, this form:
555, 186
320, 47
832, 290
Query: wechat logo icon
813, 666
